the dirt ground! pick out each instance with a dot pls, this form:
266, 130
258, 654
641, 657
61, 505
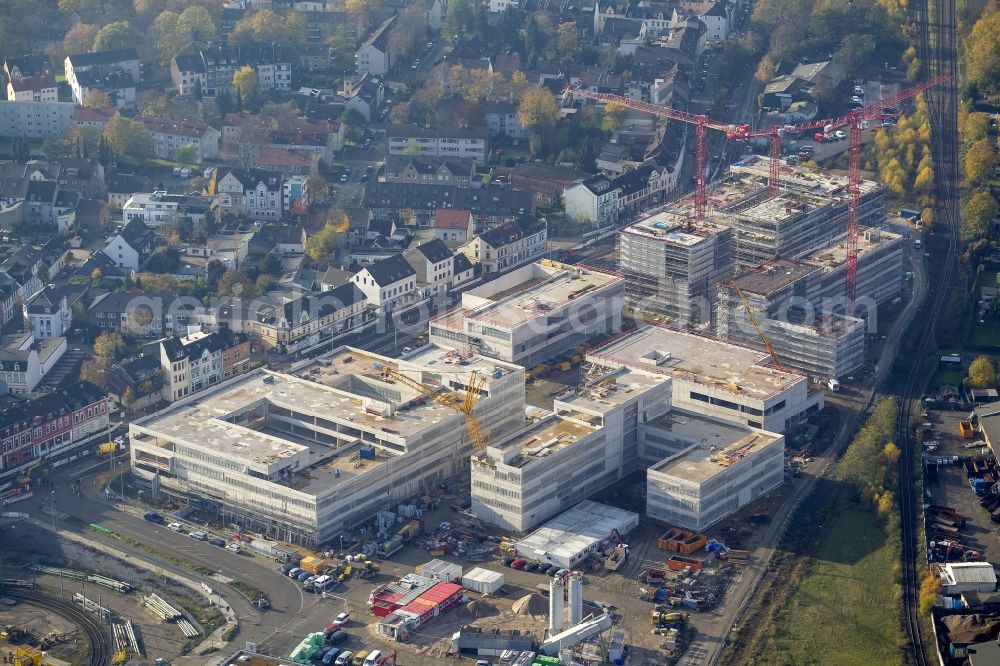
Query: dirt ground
156, 636
69, 644
951, 487
431, 643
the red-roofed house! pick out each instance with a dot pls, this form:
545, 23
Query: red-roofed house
287, 160
453, 226
88, 115
32, 89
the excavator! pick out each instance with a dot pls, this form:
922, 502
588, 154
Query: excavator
24, 478
464, 405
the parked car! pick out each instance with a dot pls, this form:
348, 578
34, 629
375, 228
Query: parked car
234, 547
840, 135
303, 576
199, 535
285, 568
344, 659
176, 527
338, 637
294, 572
342, 618
154, 518
552, 571
359, 658
518, 563
215, 541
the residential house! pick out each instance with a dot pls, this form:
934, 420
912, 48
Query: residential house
171, 135
85, 176
388, 284
719, 20
251, 192
132, 246
509, 245
323, 137
48, 312
462, 271
32, 64
157, 208
115, 73
144, 315
52, 423
102, 266
502, 119
453, 226
402, 202
121, 186
295, 195
429, 170
284, 239
194, 362
213, 67
305, 321
136, 383
291, 161
434, 266
93, 116
375, 56
33, 89
229, 249
469, 143
601, 200
365, 96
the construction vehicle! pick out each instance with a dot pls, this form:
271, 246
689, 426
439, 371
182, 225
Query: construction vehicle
662, 618
966, 430
13, 633
24, 478
449, 399
25, 655
760, 332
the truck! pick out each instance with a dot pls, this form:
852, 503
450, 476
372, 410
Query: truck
660, 618
389, 547
411, 530
314, 565
107, 447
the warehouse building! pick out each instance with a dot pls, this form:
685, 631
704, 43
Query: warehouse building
707, 468
800, 303
569, 539
533, 313
719, 379
302, 457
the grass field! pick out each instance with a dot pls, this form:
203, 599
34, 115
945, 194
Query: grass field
943, 377
845, 608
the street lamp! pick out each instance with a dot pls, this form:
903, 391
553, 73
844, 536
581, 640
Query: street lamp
52, 508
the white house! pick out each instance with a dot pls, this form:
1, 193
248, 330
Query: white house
132, 245
434, 265
375, 55
157, 208
171, 135
601, 200
115, 73
48, 313
388, 283
508, 245
251, 192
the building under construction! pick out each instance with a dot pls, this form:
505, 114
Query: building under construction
673, 262
800, 304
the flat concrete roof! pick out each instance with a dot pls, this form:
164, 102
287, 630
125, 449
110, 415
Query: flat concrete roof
698, 358
676, 227
823, 182
605, 392
718, 445
544, 438
577, 529
541, 288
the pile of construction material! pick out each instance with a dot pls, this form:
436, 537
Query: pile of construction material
125, 638
168, 613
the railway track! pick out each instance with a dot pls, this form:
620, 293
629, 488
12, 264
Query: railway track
937, 52
100, 641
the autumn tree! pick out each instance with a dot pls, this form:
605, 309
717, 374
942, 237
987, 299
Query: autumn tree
980, 162
982, 374
95, 370
930, 591
83, 140
982, 52
977, 214
329, 238
117, 35
364, 12
129, 138
97, 99
80, 38
538, 112
266, 26
766, 70
234, 283
109, 344
196, 23
614, 115
245, 82
460, 19
409, 33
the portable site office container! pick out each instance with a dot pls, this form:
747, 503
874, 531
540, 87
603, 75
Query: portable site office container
483, 581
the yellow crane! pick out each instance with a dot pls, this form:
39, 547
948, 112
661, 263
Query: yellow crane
760, 332
464, 405
25, 476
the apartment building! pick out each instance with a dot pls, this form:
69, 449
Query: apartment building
601, 200
509, 245
155, 209
251, 192
429, 170
212, 68
533, 313
132, 246
420, 204
169, 136
388, 284
434, 266
48, 312
36, 120
195, 362
302, 458
115, 73
454, 142
53, 423
375, 56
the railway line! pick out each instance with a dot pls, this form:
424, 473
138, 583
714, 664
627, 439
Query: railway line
936, 20
99, 639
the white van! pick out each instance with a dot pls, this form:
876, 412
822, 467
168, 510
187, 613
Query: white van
344, 659
373, 658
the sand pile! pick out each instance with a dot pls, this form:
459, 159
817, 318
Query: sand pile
531, 604
478, 608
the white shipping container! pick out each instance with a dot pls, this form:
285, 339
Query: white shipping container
441, 570
483, 581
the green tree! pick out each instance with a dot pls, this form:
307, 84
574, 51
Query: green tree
980, 162
460, 19
84, 140
982, 374
567, 43
129, 138
977, 214
281, 115
109, 344
412, 148
97, 100
857, 49
354, 122
186, 154
117, 35
197, 24
270, 264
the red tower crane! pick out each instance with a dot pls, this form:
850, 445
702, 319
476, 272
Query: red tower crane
854, 121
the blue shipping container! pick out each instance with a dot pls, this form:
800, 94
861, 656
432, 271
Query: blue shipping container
367, 452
